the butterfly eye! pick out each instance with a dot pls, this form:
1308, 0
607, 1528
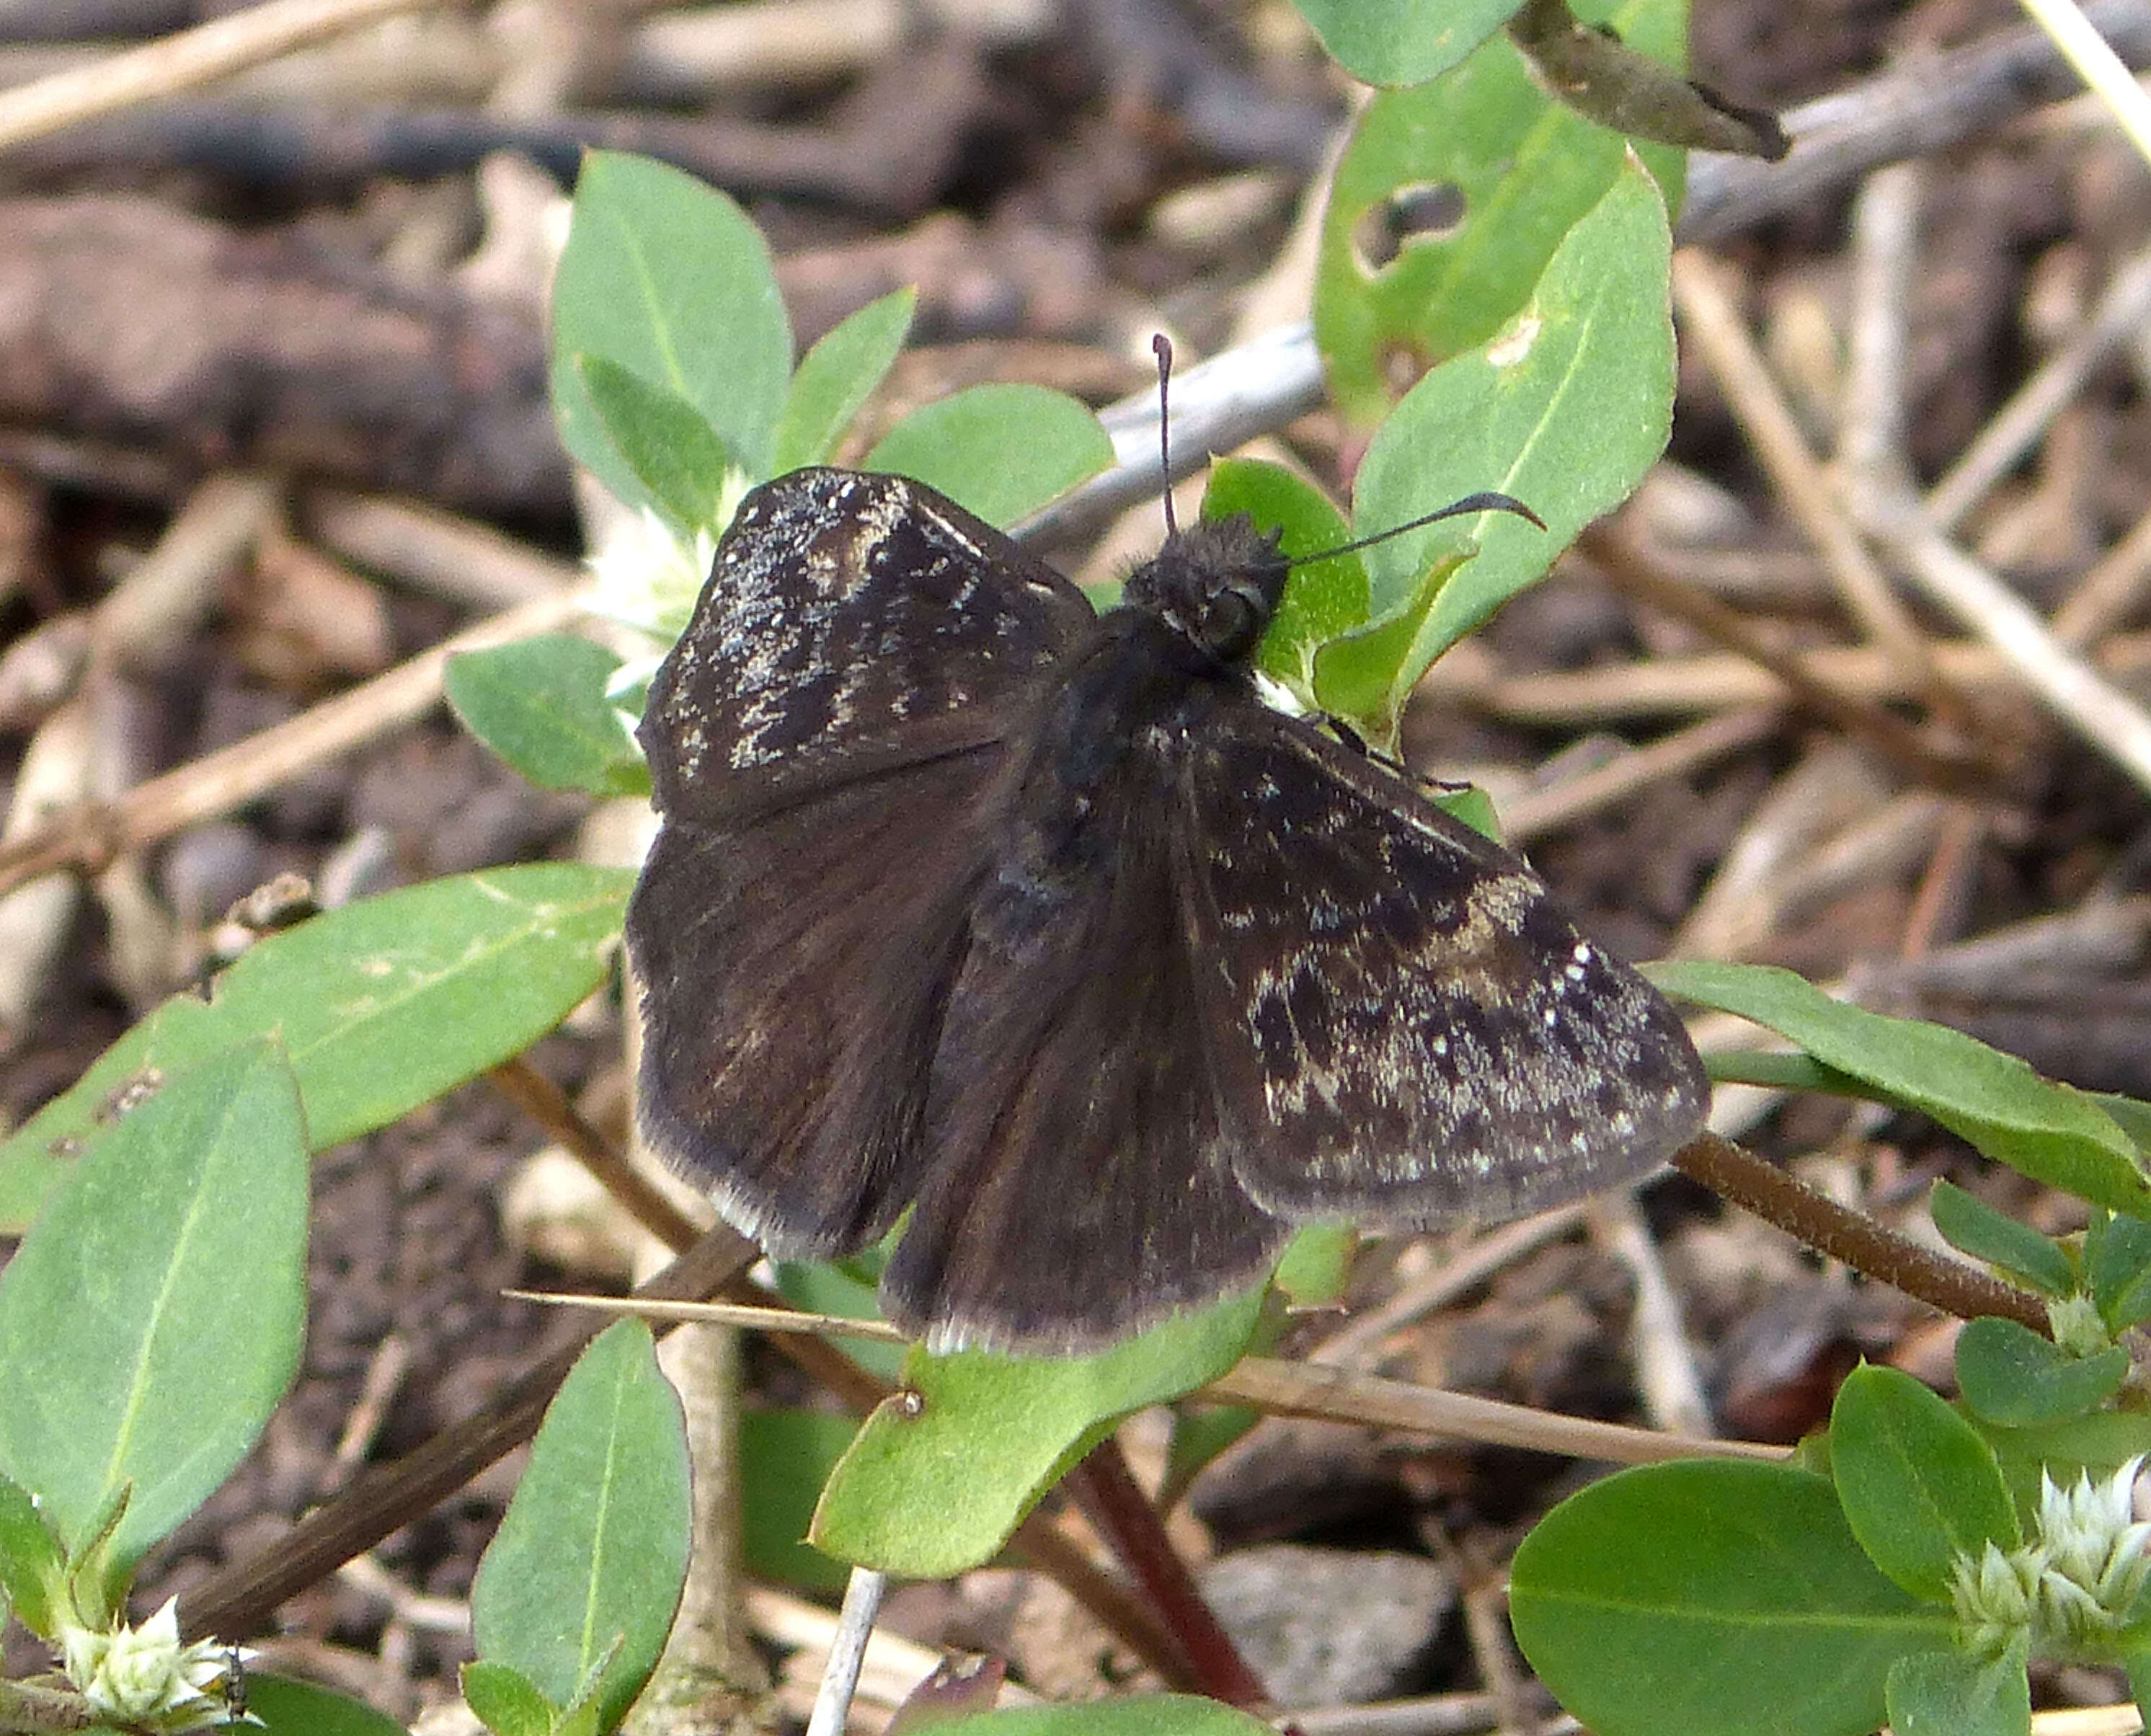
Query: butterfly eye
1233, 620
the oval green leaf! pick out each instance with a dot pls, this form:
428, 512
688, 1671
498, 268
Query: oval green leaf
2116, 1259
381, 1006
151, 1321
503, 1699
1403, 41
942, 1474
1162, 1714
682, 462
299, 1708
541, 705
32, 1566
1919, 1485
1713, 1597
1993, 1102
785, 1458
1002, 450
592, 1549
1972, 1226
1955, 1693
2009, 1375
669, 279
837, 376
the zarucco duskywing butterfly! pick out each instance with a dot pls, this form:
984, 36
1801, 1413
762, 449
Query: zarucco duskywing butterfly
1041, 923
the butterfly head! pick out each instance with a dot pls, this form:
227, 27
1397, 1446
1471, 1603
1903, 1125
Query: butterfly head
1216, 586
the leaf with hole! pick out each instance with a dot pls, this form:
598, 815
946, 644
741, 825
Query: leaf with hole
943, 1472
1565, 409
1450, 201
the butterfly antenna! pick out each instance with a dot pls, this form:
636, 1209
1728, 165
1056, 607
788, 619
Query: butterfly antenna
1161, 347
1488, 502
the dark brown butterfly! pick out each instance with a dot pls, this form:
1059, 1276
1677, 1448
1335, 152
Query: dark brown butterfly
1041, 924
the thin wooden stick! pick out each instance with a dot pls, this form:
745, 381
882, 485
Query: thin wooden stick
1709, 318
2104, 717
89, 838
180, 62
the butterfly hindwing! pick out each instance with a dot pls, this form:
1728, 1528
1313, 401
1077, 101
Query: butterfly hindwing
794, 988
1405, 1027
852, 623
1080, 1184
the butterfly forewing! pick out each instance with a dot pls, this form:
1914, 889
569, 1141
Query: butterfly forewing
1403, 1024
820, 742
851, 623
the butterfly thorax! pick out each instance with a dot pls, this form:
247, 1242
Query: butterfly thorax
1216, 586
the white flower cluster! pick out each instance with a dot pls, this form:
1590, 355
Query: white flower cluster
144, 1676
647, 577
2072, 1584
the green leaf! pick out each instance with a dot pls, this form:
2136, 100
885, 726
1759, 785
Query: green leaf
785, 1458
1360, 675
299, 1708
1001, 450
680, 461
1162, 1715
33, 1566
2117, 1268
836, 1287
1711, 1597
667, 278
1953, 1694
1972, 1226
540, 704
1522, 170
1920, 1487
2136, 1659
1403, 41
1991, 1100
2011, 1375
1200, 1433
1318, 1264
592, 1549
505, 1701
381, 1006
151, 1321
837, 376
1565, 409
943, 1472
1321, 599
2093, 1444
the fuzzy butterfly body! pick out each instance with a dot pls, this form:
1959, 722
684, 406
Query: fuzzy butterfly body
1041, 924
